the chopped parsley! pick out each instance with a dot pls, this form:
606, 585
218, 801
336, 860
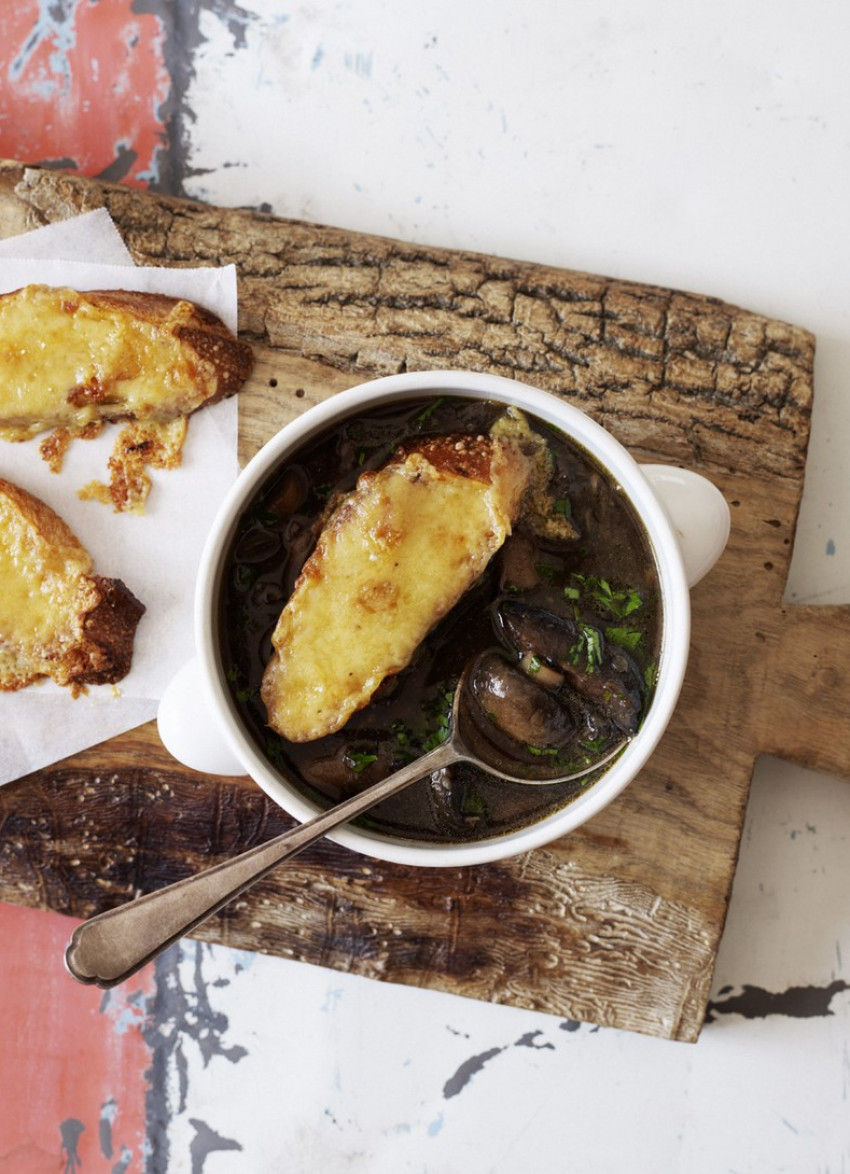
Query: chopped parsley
428, 411
473, 805
628, 638
546, 571
244, 577
441, 710
619, 602
588, 647
359, 760
401, 733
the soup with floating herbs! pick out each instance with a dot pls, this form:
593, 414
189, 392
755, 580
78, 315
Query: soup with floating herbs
561, 624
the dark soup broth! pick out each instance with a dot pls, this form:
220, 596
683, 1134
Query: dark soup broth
578, 615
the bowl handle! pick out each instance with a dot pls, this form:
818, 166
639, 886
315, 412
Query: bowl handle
189, 729
698, 513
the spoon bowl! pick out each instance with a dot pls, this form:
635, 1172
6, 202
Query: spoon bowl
112, 946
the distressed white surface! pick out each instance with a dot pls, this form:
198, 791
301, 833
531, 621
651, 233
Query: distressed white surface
704, 146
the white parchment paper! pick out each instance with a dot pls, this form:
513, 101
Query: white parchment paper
156, 554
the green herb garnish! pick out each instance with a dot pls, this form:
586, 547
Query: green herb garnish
546, 571
243, 577
473, 805
401, 733
274, 751
265, 517
593, 747
620, 602
428, 411
441, 709
588, 646
628, 638
359, 760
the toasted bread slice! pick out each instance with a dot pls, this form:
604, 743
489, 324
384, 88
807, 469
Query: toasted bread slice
394, 556
57, 617
70, 359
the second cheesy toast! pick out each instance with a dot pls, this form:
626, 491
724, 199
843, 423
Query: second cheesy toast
57, 617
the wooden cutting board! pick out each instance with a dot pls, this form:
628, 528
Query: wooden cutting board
618, 923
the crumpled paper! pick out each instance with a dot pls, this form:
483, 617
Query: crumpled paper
157, 553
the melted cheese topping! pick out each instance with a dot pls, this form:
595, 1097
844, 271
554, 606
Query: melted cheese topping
392, 560
65, 361
44, 588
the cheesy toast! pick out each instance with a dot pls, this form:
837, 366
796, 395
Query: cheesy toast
69, 360
58, 618
392, 559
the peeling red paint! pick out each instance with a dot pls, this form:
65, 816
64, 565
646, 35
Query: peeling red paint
73, 1060
83, 83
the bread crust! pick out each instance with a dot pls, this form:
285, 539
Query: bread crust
104, 655
58, 618
200, 330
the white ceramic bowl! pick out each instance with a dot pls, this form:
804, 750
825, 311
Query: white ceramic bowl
684, 516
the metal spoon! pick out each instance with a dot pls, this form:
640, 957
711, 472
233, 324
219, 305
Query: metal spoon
109, 948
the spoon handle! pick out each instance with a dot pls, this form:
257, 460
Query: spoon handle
112, 946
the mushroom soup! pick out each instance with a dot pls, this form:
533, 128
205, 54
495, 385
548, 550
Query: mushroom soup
562, 628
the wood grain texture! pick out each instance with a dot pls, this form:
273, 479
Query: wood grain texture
619, 922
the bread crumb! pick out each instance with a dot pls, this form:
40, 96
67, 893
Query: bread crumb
157, 444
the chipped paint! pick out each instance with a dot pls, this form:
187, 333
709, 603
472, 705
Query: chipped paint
70, 1132
206, 1141
185, 33
83, 83
108, 1113
182, 1027
359, 63
435, 1127
77, 1062
797, 1002
469, 1068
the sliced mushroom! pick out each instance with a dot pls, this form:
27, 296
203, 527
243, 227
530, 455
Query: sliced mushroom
605, 676
513, 711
